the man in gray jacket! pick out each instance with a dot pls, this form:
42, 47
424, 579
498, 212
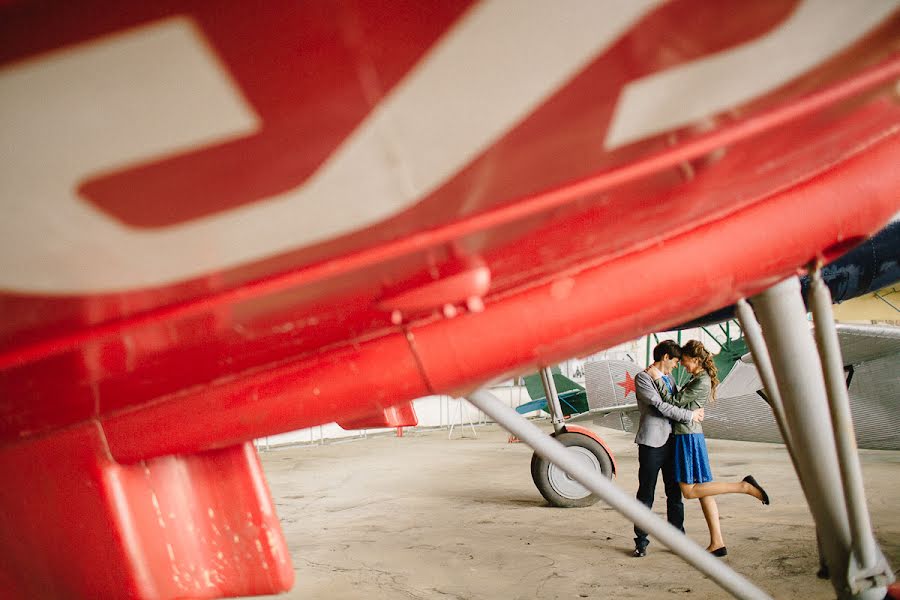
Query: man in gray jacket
656, 446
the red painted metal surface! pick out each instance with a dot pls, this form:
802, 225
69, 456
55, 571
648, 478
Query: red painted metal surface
398, 416
76, 524
578, 307
533, 249
440, 355
346, 383
596, 437
473, 280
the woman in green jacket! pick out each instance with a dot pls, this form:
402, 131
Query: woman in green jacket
691, 459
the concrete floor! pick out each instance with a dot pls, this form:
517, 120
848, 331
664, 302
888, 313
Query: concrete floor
425, 517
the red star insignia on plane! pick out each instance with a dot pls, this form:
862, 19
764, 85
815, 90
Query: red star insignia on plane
628, 384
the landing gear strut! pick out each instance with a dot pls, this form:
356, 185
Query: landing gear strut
554, 484
804, 380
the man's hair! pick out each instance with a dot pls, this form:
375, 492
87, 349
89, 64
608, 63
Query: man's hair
666, 347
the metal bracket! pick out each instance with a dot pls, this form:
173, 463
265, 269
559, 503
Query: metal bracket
553, 405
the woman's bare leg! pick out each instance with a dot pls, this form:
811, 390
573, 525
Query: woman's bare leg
711, 514
714, 488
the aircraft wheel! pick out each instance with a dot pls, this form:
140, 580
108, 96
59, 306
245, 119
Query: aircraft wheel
556, 486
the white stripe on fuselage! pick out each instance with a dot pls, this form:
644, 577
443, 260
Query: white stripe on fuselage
683, 95
154, 91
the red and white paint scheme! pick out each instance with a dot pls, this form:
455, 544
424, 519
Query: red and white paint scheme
229, 220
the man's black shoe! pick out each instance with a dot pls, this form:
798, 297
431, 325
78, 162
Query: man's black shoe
639, 553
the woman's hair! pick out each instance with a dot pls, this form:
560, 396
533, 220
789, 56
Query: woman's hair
695, 349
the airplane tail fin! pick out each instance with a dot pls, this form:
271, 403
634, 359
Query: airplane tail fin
572, 396
563, 385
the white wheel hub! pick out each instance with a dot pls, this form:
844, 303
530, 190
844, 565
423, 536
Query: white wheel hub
563, 484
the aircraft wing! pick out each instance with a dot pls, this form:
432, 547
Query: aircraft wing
860, 343
863, 343
871, 356
224, 222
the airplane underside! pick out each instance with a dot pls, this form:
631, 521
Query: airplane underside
227, 222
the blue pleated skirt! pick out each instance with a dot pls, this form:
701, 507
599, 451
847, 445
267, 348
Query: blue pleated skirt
691, 459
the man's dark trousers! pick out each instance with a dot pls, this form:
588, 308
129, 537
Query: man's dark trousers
651, 460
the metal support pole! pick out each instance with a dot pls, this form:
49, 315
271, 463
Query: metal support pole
800, 382
754, 338
630, 508
757, 345
555, 408
871, 563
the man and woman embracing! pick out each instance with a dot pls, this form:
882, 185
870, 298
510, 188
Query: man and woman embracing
670, 439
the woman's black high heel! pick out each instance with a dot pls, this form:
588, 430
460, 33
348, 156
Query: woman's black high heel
719, 552
765, 497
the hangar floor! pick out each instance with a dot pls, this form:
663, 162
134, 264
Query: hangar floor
424, 517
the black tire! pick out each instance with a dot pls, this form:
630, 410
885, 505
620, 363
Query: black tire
557, 487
